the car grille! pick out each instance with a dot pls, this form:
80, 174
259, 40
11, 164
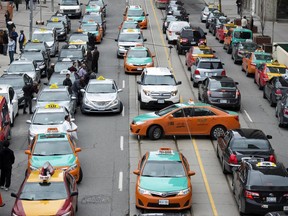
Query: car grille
101, 103
126, 47
164, 194
156, 205
160, 95
139, 64
69, 11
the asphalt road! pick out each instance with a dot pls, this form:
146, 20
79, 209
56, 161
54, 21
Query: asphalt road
110, 154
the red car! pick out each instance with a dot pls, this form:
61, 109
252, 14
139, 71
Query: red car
198, 51
222, 30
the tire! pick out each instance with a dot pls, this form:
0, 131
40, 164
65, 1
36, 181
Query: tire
155, 132
229, 49
82, 111
195, 85
224, 47
224, 170
199, 98
179, 51
217, 151
9, 135
80, 176
189, 68
280, 124
142, 105
121, 108
260, 87
216, 131
234, 61
26, 172
238, 108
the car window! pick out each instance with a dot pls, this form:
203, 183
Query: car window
187, 33
271, 69
54, 96
263, 57
138, 54
198, 112
101, 88
210, 65
178, 114
159, 80
215, 85
142, 161
243, 143
281, 82
163, 169
242, 35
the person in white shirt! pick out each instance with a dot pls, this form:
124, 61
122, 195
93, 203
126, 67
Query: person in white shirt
70, 127
11, 49
244, 22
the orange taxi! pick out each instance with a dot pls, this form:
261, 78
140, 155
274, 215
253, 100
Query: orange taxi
185, 119
222, 31
57, 148
92, 28
198, 51
136, 13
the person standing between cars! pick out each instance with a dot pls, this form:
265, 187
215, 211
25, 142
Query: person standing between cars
21, 40
68, 82
239, 6
11, 49
76, 87
70, 127
73, 68
50, 70
88, 61
7, 160
95, 58
28, 91
244, 22
5, 42
81, 72
14, 36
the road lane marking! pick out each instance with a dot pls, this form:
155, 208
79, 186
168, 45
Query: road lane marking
121, 143
246, 113
123, 84
120, 184
123, 111
206, 183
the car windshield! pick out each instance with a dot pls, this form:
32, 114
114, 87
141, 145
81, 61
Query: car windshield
46, 37
101, 88
280, 70
15, 82
135, 13
43, 191
54, 96
216, 85
138, 54
123, 37
261, 144
159, 80
55, 25
166, 110
98, 2
62, 66
242, 35
89, 28
69, 2
21, 68
34, 46
78, 37
222, 20
262, 57
163, 169
248, 46
59, 78
171, 18
281, 82
130, 25
210, 65
52, 147
51, 118
71, 53
95, 18
202, 51
37, 56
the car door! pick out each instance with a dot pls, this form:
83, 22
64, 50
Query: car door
201, 120
222, 143
245, 61
177, 123
72, 187
237, 181
259, 74
13, 101
269, 87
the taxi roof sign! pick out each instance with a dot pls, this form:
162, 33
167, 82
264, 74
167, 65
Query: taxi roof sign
101, 78
52, 106
36, 41
53, 86
165, 150
46, 172
266, 164
55, 19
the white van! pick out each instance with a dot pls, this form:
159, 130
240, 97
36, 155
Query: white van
70, 8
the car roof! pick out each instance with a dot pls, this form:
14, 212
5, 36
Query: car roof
242, 29
158, 156
275, 64
58, 176
42, 30
22, 61
52, 137
160, 71
12, 75
249, 133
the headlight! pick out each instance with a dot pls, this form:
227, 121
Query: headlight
149, 64
183, 192
143, 191
147, 92
130, 64
87, 102
121, 48
174, 93
138, 122
66, 214
115, 102
73, 167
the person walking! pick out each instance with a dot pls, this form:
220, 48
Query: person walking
50, 70
5, 43
21, 40
28, 91
7, 16
11, 49
10, 25
88, 61
7, 160
10, 8
239, 7
95, 58
27, 4
70, 127
244, 22
16, 2
14, 36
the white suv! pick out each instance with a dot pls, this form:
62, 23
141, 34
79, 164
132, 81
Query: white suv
157, 88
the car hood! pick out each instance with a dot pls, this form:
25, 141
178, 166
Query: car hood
139, 60
37, 129
141, 18
145, 117
31, 74
101, 97
163, 184
44, 207
56, 161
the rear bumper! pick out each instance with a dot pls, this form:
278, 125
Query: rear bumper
253, 207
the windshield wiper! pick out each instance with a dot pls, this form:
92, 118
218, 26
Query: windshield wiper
39, 155
26, 198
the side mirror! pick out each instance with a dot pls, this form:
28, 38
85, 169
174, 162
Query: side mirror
116, 40
37, 69
28, 121
145, 39
205, 33
45, 83
78, 150
14, 195
82, 90
269, 137
28, 152
191, 173
73, 98
214, 51
5, 70
187, 14
170, 116
236, 83
179, 83
177, 33
119, 90
75, 193
136, 172
138, 82
34, 99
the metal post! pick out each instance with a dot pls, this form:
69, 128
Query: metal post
220, 5
274, 19
31, 20
40, 10
52, 5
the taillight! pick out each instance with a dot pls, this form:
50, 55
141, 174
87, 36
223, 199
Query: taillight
285, 195
278, 92
285, 111
223, 73
251, 195
183, 40
233, 159
237, 93
236, 117
272, 158
197, 72
253, 64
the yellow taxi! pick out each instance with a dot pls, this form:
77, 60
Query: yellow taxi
185, 119
47, 192
136, 13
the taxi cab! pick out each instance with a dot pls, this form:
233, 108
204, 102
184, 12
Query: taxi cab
222, 31
137, 58
59, 149
78, 38
56, 94
46, 192
235, 35
252, 60
128, 24
51, 115
136, 13
266, 71
92, 28
163, 181
185, 119
194, 52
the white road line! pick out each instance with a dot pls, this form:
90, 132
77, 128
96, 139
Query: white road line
123, 84
248, 116
123, 111
121, 143
120, 185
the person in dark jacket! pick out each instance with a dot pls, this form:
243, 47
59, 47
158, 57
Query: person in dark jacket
14, 36
68, 82
10, 25
50, 70
21, 40
7, 159
95, 58
5, 42
28, 91
7, 16
76, 87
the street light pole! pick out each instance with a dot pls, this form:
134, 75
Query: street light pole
31, 20
220, 5
274, 19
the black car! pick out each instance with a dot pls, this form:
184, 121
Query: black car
274, 89
72, 52
220, 91
241, 143
216, 22
178, 11
64, 18
260, 187
189, 36
241, 48
212, 14
166, 22
61, 30
282, 111
278, 213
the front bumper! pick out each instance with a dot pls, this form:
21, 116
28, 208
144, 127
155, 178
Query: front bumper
156, 99
72, 13
135, 68
87, 108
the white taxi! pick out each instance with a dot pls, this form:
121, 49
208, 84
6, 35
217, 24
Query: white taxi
10, 95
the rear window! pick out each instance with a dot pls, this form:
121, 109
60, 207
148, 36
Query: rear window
210, 65
187, 33
276, 70
222, 85
281, 82
242, 35
263, 57
250, 144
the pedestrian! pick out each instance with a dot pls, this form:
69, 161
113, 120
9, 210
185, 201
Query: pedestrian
21, 40
73, 68
1, 41
239, 6
7, 160
81, 72
16, 2
5, 42
29, 89
70, 127
95, 58
27, 4
50, 70
88, 61
91, 41
76, 87
7, 16
251, 23
244, 22
11, 49
10, 25
1, 201
10, 7
14, 36
68, 82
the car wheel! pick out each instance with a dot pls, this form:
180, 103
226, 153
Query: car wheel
216, 131
238, 108
83, 111
155, 132
199, 98
9, 135
272, 104
235, 61
189, 68
223, 167
142, 105
166, 37
26, 172
195, 85
121, 107
229, 49
224, 47
80, 176
179, 51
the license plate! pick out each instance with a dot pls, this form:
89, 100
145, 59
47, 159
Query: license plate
223, 101
285, 208
69, 14
271, 199
210, 74
101, 109
139, 68
163, 202
193, 42
161, 101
